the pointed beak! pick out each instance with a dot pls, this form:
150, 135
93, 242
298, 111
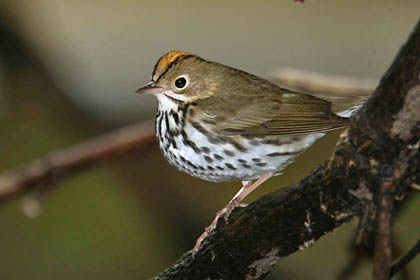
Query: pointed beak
150, 88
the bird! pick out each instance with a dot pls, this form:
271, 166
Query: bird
223, 124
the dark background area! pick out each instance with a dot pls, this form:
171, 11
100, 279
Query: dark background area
68, 72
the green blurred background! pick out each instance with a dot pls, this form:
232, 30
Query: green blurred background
68, 71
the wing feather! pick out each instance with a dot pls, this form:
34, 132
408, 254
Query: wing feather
270, 113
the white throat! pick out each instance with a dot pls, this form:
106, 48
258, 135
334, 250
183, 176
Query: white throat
166, 103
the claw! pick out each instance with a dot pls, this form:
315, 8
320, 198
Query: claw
236, 201
226, 211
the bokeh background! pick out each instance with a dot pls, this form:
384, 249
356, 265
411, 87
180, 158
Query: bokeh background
68, 72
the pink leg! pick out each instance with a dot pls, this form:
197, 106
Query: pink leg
247, 188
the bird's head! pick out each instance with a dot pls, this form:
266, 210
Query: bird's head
182, 76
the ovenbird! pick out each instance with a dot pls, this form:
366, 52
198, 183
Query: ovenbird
218, 123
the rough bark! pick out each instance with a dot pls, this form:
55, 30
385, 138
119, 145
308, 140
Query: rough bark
374, 164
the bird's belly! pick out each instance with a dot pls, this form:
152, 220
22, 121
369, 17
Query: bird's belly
206, 156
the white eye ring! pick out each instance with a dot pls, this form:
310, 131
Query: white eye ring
181, 82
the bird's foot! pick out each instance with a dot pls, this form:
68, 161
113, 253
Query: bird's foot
247, 188
225, 212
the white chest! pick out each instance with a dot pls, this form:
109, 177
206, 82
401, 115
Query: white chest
200, 153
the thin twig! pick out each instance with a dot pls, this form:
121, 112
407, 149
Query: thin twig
52, 167
383, 242
363, 252
312, 82
402, 261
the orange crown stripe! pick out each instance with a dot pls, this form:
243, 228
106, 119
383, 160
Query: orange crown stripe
168, 59
171, 57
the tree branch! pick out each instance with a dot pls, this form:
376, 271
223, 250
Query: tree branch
47, 170
381, 146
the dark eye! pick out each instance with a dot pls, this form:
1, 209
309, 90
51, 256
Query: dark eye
180, 82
